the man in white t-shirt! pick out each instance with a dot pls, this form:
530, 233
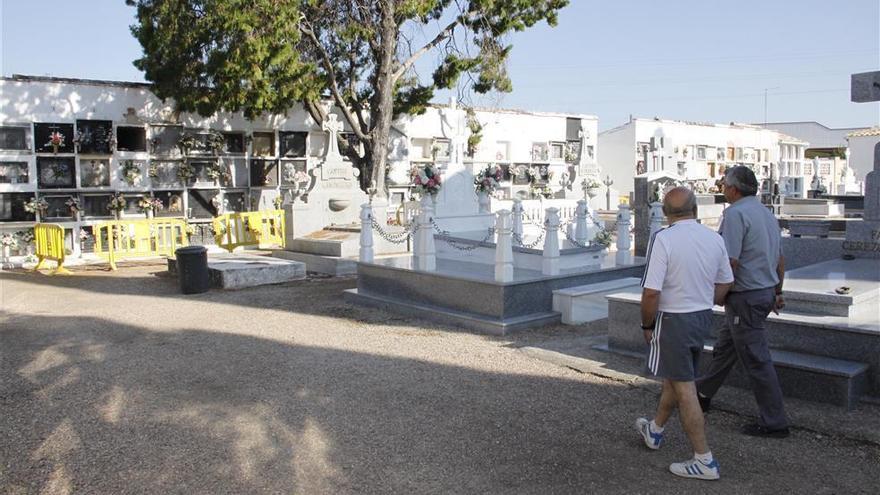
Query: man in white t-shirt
687, 271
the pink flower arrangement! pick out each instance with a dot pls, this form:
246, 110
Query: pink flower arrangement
425, 179
489, 179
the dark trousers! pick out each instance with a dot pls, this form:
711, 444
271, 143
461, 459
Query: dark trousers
743, 337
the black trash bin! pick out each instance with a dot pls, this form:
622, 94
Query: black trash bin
192, 269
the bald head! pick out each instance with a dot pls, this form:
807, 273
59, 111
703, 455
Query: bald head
680, 203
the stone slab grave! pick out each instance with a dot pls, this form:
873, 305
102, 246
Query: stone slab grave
809, 207
830, 359
240, 270
818, 289
467, 295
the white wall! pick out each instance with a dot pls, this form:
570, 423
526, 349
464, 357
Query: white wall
861, 157
618, 157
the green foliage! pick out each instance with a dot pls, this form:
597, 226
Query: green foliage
265, 56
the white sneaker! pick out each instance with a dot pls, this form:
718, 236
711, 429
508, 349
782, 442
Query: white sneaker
652, 439
693, 468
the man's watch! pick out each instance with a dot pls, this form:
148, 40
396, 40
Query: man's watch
650, 326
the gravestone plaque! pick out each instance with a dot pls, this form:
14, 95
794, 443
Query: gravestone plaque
45, 134
57, 207
94, 173
863, 236
172, 203
164, 173
12, 207
264, 173
648, 188
164, 139
14, 173
293, 144
96, 205
56, 172
94, 136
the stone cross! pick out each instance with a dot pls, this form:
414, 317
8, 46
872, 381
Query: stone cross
332, 126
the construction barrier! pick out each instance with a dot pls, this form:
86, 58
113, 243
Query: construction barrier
120, 239
252, 228
49, 239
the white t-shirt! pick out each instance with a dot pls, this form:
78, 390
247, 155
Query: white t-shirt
685, 261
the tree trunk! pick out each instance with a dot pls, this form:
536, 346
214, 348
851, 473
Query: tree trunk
382, 104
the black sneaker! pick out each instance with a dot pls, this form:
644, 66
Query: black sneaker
757, 430
705, 403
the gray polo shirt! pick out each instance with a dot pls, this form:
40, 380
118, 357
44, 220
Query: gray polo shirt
752, 237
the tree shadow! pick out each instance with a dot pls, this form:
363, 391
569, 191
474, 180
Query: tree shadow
95, 406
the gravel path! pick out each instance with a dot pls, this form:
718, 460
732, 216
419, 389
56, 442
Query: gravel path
114, 383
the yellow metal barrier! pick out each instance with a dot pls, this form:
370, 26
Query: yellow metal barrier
252, 228
119, 239
49, 239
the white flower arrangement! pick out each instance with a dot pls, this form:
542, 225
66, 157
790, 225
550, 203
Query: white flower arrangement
36, 206
590, 183
131, 172
117, 203
488, 179
8, 240
147, 204
26, 237
185, 172
73, 204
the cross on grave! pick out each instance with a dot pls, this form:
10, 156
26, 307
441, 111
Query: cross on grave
334, 127
865, 87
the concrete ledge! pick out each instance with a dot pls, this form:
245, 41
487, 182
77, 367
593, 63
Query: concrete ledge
469, 321
586, 303
331, 265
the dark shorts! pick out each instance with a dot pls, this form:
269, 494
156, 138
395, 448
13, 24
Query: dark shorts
677, 344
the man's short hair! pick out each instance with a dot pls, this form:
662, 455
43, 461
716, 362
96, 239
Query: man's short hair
743, 179
687, 208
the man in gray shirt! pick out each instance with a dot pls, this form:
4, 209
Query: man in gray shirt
753, 240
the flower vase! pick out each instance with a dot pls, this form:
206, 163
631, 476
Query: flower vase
149, 213
117, 215
592, 192
485, 202
55, 149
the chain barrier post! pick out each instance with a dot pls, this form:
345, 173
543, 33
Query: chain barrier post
424, 251
656, 218
517, 215
581, 234
623, 242
503, 247
550, 262
365, 255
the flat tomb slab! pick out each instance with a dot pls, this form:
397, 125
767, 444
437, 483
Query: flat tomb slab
238, 271
586, 303
813, 288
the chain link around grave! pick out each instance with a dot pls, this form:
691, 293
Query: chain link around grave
446, 237
567, 233
518, 239
394, 238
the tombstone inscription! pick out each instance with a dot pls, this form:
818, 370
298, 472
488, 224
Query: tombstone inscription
863, 237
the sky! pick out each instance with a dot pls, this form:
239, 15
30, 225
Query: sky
698, 60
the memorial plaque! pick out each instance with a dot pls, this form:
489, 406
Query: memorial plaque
14, 173
13, 138
164, 173
12, 207
94, 136
164, 139
172, 203
94, 173
56, 173
264, 173
45, 134
96, 205
293, 144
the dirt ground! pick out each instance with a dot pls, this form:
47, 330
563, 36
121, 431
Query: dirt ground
116, 383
